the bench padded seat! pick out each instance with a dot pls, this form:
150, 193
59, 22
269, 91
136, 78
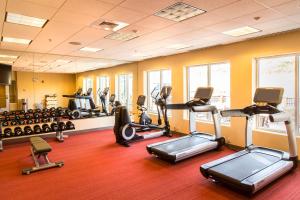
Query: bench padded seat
39, 145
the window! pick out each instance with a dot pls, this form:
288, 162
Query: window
278, 71
87, 83
157, 79
102, 83
124, 89
213, 75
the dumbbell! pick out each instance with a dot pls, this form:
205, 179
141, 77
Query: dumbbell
70, 125
45, 110
46, 128
36, 115
61, 126
29, 121
38, 110
21, 122
52, 114
37, 120
44, 120
12, 113
54, 127
13, 122
22, 112
45, 115
30, 111
7, 118
17, 117
37, 129
52, 109
5, 123
75, 114
5, 113
27, 116
58, 108
18, 131
28, 130
8, 132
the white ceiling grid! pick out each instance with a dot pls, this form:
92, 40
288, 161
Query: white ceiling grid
71, 21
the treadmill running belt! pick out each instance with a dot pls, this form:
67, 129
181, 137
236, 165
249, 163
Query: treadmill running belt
244, 166
181, 144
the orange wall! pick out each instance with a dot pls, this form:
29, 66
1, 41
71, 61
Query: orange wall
240, 55
46, 83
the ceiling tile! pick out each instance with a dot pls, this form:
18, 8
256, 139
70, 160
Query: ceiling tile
88, 7
203, 20
289, 8
20, 31
146, 6
50, 3
154, 22
238, 9
209, 5
295, 18
275, 24
12, 46
271, 3
30, 9
115, 2
72, 17
53, 34
124, 15
264, 15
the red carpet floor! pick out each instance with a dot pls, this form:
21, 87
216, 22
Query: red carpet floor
97, 168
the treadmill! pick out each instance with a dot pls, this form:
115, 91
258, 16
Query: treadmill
255, 167
195, 143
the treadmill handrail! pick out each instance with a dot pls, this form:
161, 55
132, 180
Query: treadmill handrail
280, 117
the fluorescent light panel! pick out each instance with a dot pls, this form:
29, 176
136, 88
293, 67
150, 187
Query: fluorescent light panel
25, 20
6, 61
16, 40
245, 30
121, 36
90, 49
8, 56
109, 25
179, 11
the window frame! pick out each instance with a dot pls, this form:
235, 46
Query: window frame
296, 91
98, 86
209, 78
128, 103
148, 92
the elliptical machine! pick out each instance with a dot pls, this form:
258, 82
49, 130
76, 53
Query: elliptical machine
126, 131
102, 96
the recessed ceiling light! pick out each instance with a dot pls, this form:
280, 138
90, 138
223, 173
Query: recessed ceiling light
25, 20
16, 40
178, 46
90, 49
245, 30
8, 56
63, 61
179, 11
121, 36
109, 25
75, 43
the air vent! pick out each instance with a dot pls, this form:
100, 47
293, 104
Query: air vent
179, 12
75, 43
109, 25
122, 36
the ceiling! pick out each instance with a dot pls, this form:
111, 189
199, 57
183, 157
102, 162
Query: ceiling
72, 21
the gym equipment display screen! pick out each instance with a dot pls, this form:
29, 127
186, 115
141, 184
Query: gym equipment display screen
5, 74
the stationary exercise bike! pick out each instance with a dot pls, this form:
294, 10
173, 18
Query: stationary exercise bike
144, 118
126, 131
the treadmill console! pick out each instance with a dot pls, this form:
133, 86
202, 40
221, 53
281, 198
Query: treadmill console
271, 96
202, 96
141, 100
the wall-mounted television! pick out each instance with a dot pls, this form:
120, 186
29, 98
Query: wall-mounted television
5, 74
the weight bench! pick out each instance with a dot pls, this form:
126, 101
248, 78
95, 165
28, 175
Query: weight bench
40, 147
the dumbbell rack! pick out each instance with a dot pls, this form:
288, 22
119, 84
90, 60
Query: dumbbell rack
58, 134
